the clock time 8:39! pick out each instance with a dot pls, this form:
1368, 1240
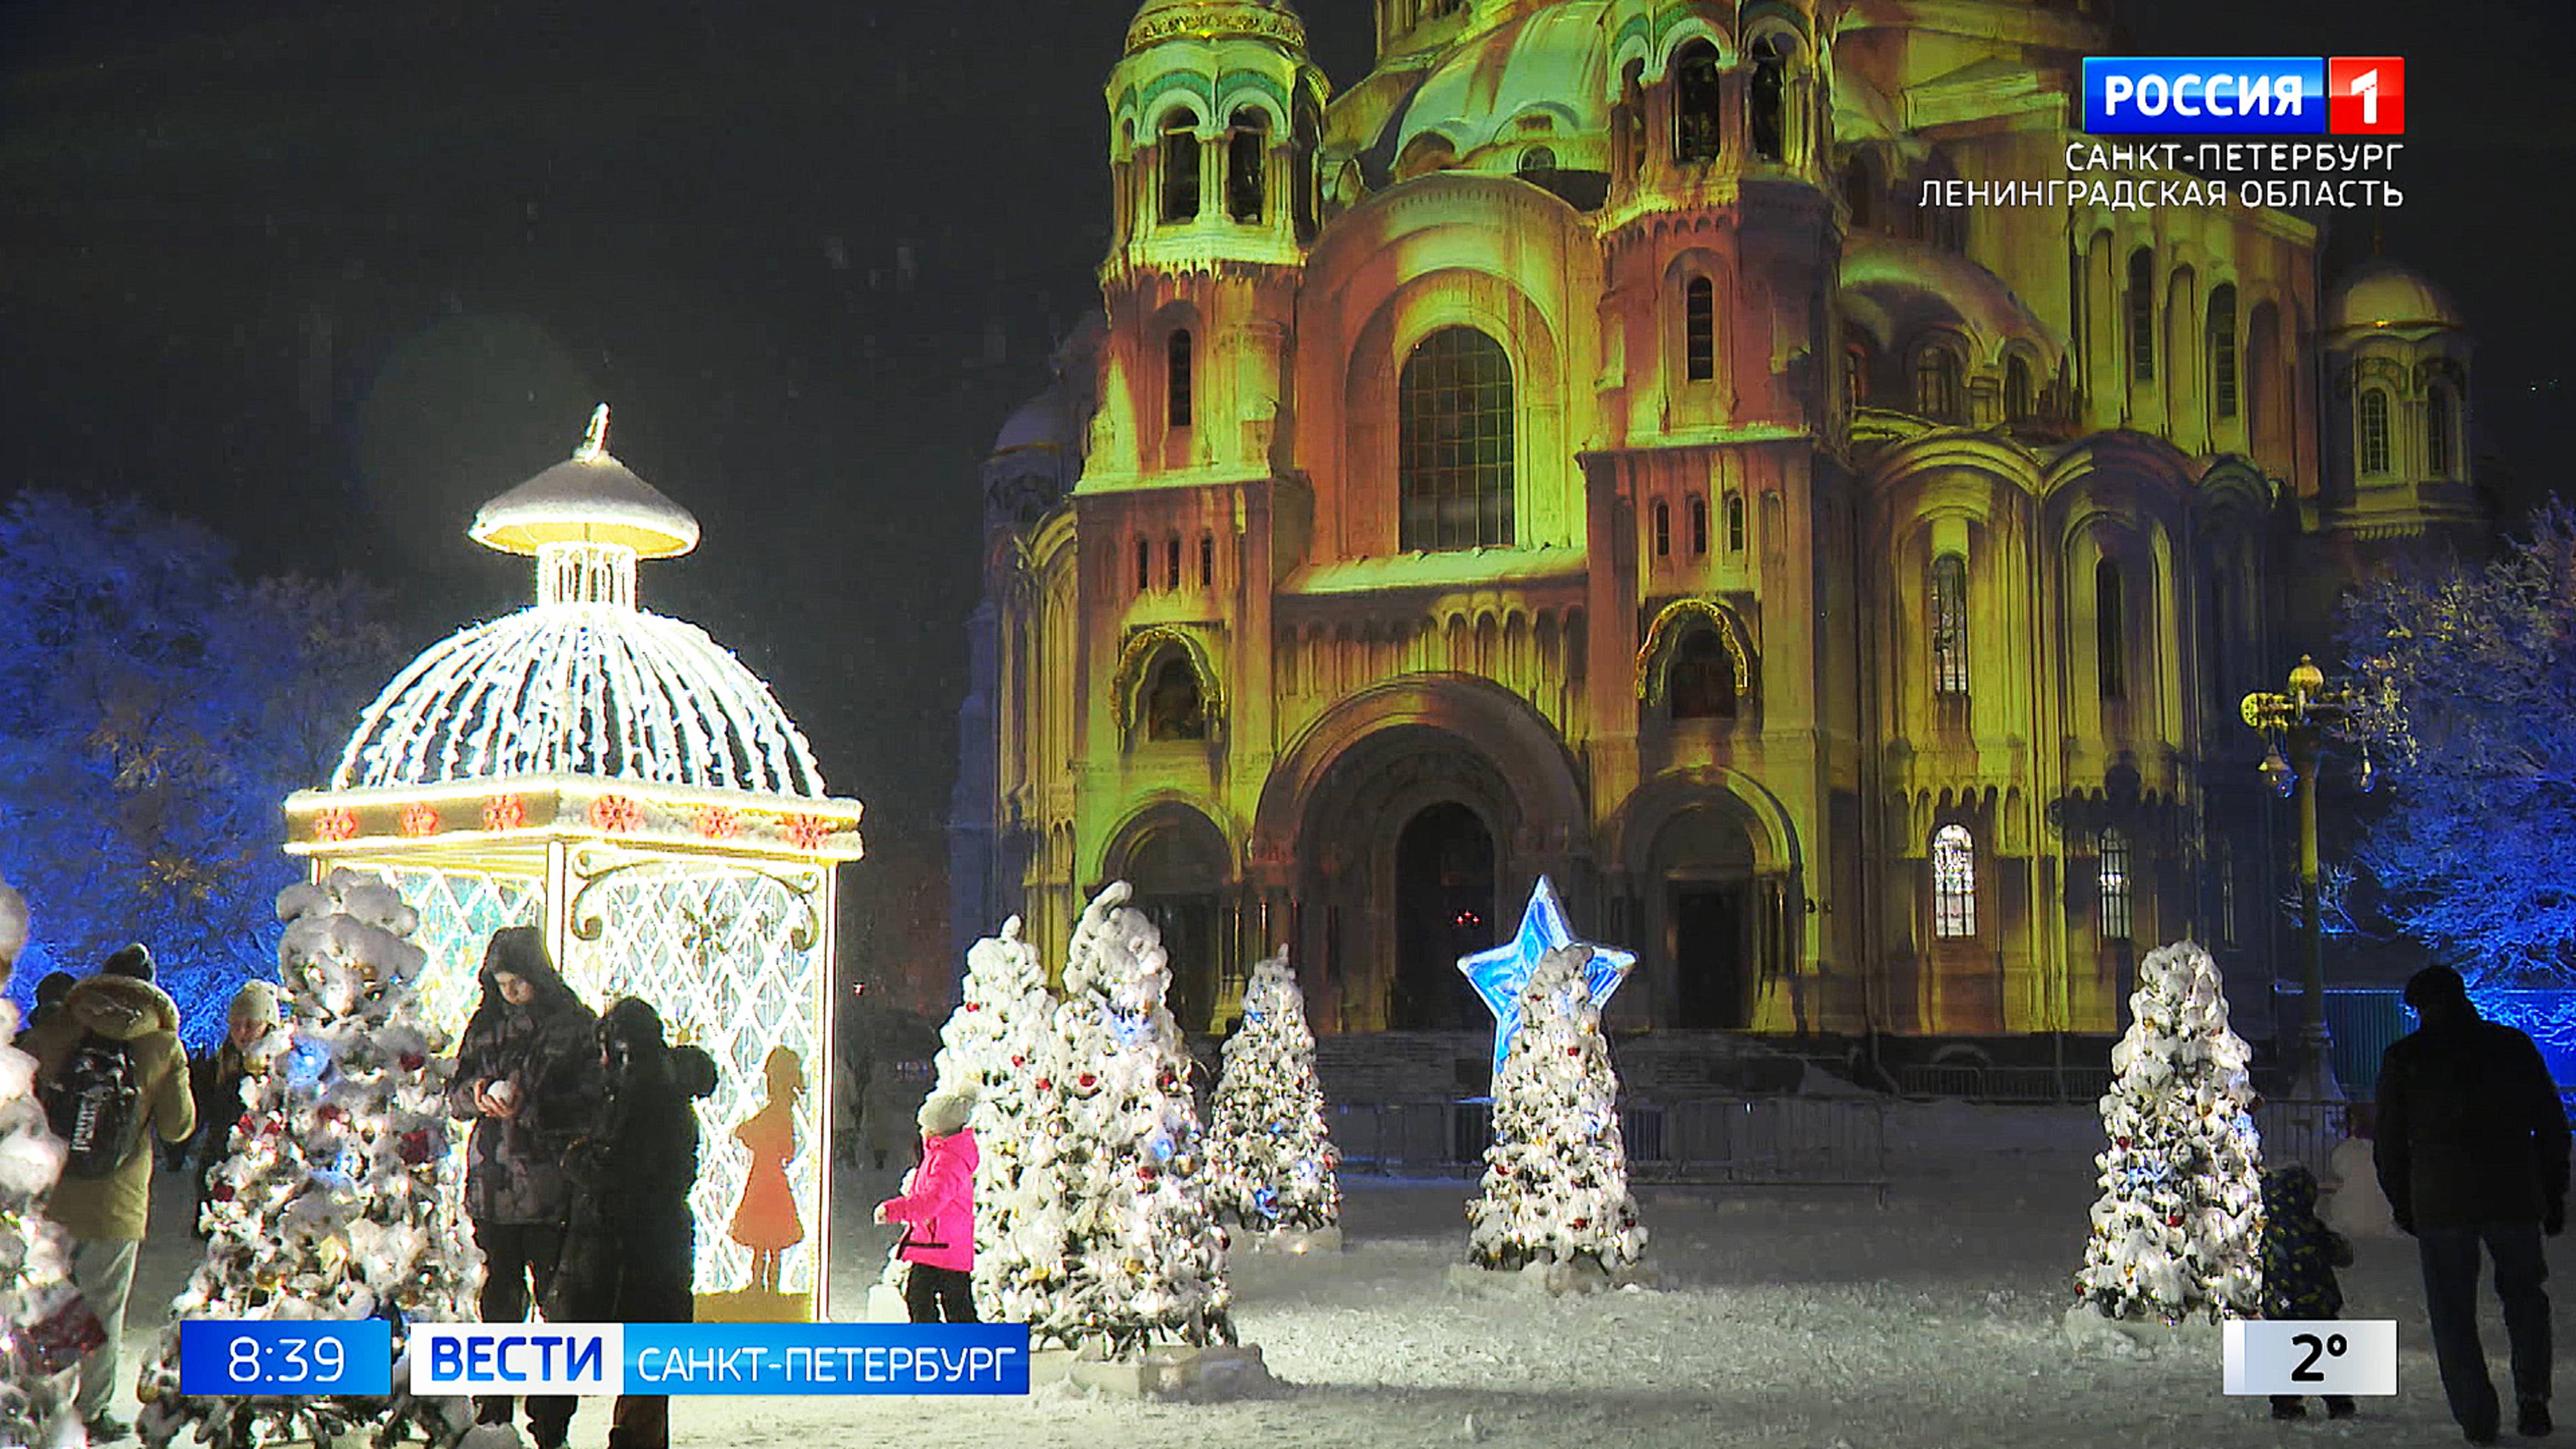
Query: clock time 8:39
286, 1356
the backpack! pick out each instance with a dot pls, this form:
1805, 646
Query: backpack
95, 1104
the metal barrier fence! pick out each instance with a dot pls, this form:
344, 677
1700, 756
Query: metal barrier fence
2022, 1086
2300, 1131
1744, 1141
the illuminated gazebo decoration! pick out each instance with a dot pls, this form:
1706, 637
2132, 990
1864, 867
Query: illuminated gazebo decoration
1501, 973
619, 779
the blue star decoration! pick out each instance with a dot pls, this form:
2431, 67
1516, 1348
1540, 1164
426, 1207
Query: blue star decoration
1499, 975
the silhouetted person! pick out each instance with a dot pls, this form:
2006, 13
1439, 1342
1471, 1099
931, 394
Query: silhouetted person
2472, 1150
528, 1073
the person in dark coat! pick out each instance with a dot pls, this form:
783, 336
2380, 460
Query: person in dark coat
50, 992
631, 1250
215, 1080
2472, 1152
528, 1074
2299, 1257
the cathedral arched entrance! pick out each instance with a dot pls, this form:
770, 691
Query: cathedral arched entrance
1444, 909
1178, 866
1709, 873
1408, 833
1400, 831
1702, 863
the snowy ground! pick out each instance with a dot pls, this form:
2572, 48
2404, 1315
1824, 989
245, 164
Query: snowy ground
1789, 1318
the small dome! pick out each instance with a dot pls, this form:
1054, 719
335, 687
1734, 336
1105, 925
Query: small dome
1541, 79
2386, 296
569, 689
1039, 423
589, 498
1160, 20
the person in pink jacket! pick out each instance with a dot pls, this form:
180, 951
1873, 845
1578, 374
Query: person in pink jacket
938, 1213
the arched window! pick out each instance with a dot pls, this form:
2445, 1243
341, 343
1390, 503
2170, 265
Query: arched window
1172, 562
2021, 399
1180, 167
1699, 330
1940, 386
1735, 523
2374, 431
2224, 862
2438, 420
1632, 116
1663, 530
1454, 438
1769, 99
1950, 625
1855, 379
1144, 565
1954, 883
1176, 378
1701, 681
2110, 631
2142, 315
1537, 161
1207, 559
1699, 524
2111, 875
1173, 708
1696, 104
2222, 351
1247, 157
1309, 135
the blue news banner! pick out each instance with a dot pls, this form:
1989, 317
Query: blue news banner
314, 1356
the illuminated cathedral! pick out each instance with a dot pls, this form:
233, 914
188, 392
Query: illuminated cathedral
1576, 449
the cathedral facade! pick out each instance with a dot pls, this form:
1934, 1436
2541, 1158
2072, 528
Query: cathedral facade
1577, 449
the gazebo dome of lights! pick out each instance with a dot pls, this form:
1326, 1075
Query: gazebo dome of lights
619, 779
585, 682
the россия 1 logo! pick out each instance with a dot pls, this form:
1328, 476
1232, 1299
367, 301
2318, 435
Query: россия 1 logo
2245, 95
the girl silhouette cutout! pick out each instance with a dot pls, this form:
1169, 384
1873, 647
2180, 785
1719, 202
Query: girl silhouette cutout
766, 1220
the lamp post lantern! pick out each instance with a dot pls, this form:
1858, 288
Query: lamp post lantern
2298, 720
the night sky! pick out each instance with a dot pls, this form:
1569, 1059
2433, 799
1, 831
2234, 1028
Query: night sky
327, 274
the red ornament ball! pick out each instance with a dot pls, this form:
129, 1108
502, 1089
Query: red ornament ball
413, 1061
1019, 1061
1574, 1051
1087, 1081
2175, 1221
1044, 1085
221, 1192
415, 1147
1579, 1224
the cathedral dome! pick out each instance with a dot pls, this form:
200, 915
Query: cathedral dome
1160, 20
2387, 296
1540, 79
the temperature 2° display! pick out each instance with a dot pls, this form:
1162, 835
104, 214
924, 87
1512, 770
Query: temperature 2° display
2355, 1356
279, 1356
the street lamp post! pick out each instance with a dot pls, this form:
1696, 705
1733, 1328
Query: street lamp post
2301, 717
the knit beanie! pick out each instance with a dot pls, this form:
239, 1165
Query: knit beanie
945, 1113
256, 1001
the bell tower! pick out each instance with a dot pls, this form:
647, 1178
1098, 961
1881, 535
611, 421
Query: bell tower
1215, 118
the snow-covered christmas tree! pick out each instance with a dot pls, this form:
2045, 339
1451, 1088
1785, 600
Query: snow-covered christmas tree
1270, 1160
1556, 1176
1002, 1023
1111, 1241
2177, 1228
38, 1305
340, 1198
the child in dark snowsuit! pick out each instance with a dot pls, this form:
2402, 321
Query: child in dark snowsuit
2300, 1255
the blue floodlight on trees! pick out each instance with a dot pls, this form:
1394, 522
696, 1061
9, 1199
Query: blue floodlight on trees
1500, 974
